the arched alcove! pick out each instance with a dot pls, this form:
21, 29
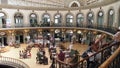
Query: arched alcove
33, 20
18, 19
74, 4
100, 19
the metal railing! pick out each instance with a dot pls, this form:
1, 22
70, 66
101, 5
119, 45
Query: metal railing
13, 62
111, 30
112, 61
102, 54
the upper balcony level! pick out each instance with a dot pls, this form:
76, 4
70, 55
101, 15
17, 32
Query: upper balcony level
109, 30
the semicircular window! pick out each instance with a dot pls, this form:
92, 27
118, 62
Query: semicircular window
74, 5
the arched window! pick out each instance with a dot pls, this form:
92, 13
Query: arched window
33, 20
110, 18
3, 19
80, 19
90, 19
69, 20
18, 18
100, 19
74, 5
58, 19
45, 20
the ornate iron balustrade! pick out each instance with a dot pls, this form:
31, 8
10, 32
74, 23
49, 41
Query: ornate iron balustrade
13, 62
113, 61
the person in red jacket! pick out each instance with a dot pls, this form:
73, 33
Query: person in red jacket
61, 55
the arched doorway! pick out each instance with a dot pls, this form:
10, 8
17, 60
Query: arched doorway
33, 33
3, 39
89, 37
69, 34
19, 36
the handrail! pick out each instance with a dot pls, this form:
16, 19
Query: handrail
110, 59
9, 61
82, 61
107, 30
93, 54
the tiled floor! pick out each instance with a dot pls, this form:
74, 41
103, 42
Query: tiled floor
14, 53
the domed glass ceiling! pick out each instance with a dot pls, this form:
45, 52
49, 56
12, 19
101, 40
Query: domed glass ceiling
53, 3
37, 3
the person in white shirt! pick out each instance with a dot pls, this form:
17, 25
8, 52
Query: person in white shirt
116, 41
70, 46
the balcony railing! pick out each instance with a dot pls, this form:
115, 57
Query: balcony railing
103, 54
111, 30
13, 62
112, 61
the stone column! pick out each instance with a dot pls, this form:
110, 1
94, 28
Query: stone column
74, 20
39, 31
105, 18
95, 19
85, 19
116, 15
25, 35
52, 32
11, 37
63, 20
63, 33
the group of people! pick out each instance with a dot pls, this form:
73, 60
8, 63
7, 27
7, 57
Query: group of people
94, 47
70, 54
41, 58
24, 54
64, 55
